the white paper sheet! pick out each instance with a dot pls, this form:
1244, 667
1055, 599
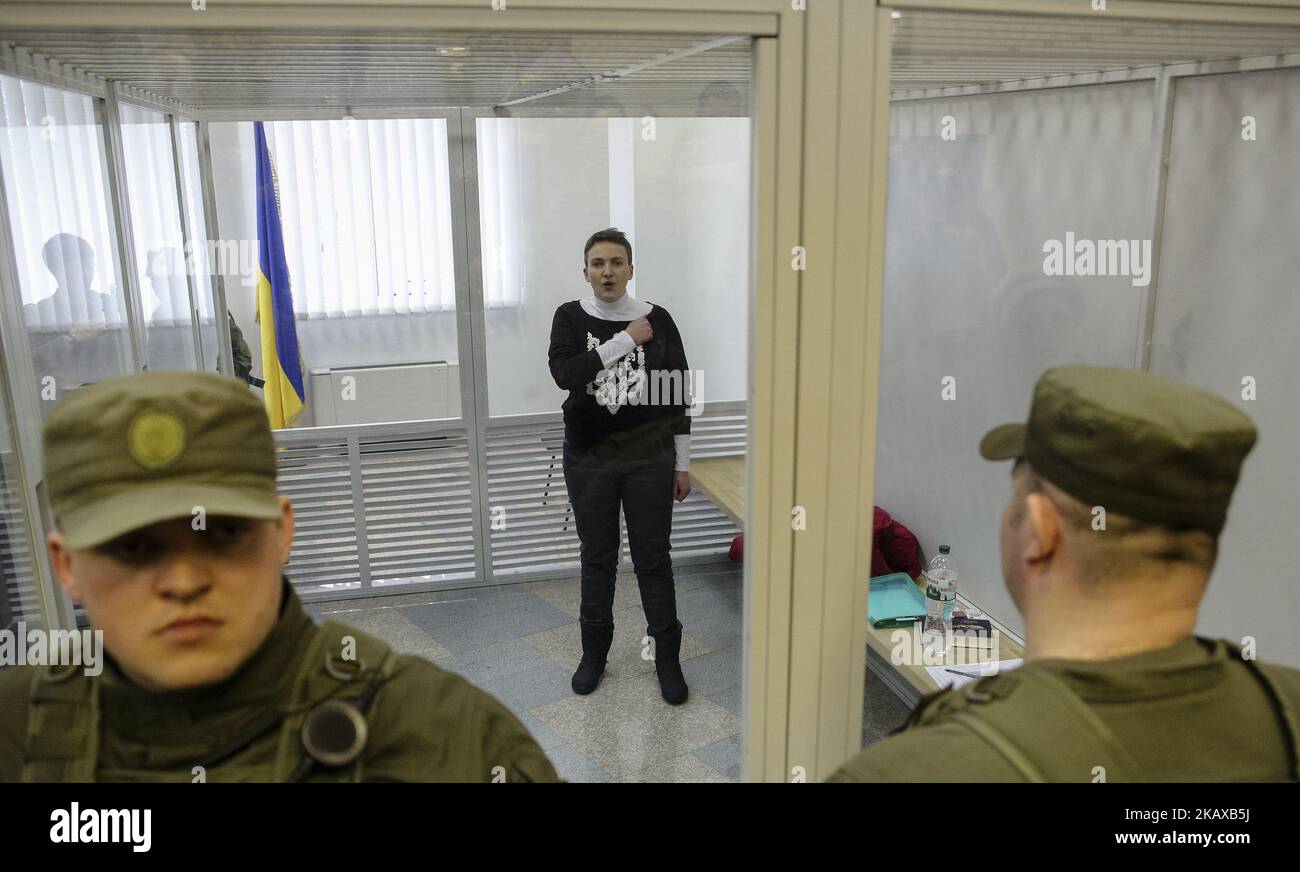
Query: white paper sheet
960, 676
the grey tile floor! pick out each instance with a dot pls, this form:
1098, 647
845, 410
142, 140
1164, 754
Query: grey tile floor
882, 710
520, 643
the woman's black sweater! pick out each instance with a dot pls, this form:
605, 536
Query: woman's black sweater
621, 426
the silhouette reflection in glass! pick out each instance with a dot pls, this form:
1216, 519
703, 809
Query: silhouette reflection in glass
170, 333
78, 335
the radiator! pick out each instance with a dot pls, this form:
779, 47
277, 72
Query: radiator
392, 392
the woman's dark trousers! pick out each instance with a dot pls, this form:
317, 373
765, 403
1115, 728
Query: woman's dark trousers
599, 482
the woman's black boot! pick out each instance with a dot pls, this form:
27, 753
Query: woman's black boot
595, 650
668, 648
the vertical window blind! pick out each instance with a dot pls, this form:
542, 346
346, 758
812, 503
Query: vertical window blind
366, 211
500, 165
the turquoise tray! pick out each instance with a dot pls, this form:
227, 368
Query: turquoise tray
894, 600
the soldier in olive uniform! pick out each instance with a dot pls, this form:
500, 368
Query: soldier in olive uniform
1115, 686
172, 536
242, 356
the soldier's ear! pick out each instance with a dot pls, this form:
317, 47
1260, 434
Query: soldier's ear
285, 526
61, 560
1044, 533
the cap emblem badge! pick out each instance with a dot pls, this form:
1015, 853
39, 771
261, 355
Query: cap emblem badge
156, 438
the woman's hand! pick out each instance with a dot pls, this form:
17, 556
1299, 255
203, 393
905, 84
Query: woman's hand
640, 330
681, 485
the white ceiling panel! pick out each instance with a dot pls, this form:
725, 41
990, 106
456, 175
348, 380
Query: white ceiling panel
599, 73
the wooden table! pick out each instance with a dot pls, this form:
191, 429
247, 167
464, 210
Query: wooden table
886, 647
722, 480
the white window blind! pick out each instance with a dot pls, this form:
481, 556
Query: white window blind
365, 207
500, 168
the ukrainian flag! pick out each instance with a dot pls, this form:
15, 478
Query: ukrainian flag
281, 365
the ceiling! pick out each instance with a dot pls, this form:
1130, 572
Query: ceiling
933, 50
604, 72
641, 74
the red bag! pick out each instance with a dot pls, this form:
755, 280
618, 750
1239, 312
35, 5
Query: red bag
737, 551
894, 548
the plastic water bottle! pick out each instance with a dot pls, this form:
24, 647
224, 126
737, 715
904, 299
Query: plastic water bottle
947, 567
940, 595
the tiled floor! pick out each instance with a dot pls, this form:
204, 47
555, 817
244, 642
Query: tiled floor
882, 710
520, 643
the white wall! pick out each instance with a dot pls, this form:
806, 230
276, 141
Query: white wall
966, 297
564, 198
692, 219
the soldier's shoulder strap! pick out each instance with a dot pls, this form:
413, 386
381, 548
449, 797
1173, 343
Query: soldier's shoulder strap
1283, 690
62, 726
1039, 725
341, 663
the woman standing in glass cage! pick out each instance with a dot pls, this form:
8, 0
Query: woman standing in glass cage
626, 441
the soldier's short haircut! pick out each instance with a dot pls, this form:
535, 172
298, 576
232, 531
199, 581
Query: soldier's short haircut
609, 234
1126, 544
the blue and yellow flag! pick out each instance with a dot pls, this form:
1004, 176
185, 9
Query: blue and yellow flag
281, 365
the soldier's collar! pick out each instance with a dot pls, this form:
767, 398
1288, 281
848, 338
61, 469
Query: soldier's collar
1188, 665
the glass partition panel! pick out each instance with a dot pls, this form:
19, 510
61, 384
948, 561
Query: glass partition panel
19, 599
1226, 318
53, 158
971, 314
156, 232
365, 214
200, 255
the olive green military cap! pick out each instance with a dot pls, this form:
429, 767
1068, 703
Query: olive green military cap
1135, 443
138, 449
